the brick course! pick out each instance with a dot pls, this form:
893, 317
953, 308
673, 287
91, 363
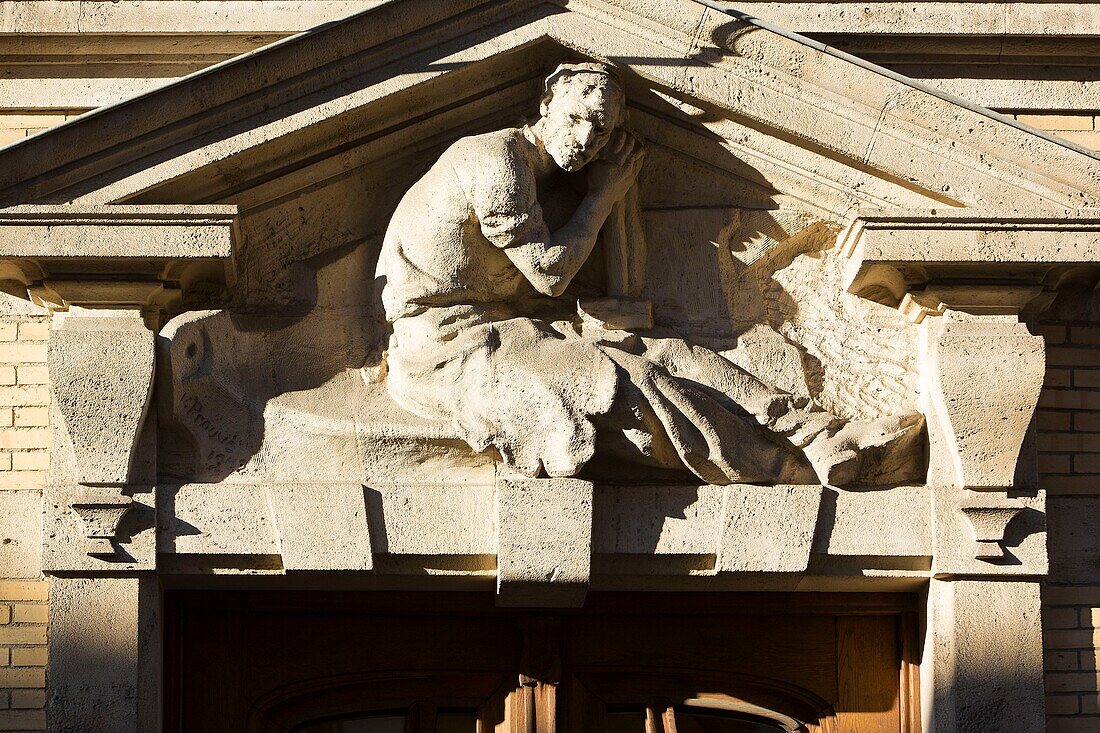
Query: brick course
1068, 424
25, 440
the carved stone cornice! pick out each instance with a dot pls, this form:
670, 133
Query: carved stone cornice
973, 261
140, 257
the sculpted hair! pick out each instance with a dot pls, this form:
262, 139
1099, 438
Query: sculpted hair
567, 73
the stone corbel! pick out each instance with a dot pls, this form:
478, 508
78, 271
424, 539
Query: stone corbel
101, 517
110, 273
101, 368
968, 277
990, 525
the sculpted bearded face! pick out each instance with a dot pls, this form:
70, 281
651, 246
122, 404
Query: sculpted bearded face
579, 113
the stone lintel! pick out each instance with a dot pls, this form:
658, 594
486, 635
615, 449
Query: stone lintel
302, 509
678, 533
114, 255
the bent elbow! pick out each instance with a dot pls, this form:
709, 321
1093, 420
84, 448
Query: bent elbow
550, 285
554, 287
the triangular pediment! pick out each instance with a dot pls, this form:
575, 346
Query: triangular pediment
778, 119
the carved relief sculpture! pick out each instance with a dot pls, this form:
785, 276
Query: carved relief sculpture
499, 329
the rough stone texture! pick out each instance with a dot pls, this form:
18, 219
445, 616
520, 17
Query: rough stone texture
70, 548
100, 664
339, 508
20, 545
767, 529
199, 519
984, 664
101, 368
758, 154
958, 551
544, 542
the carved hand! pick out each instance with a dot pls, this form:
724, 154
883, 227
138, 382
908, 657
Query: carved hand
614, 172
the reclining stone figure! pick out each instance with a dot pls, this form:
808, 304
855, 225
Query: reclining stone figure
478, 267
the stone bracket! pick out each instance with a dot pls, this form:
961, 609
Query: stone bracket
101, 517
988, 534
101, 368
990, 524
767, 529
985, 379
544, 542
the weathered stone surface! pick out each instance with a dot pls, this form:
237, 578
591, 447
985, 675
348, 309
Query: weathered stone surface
300, 509
440, 519
959, 527
891, 523
987, 667
767, 529
544, 542
276, 409
101, 368
101, 663
984, 409
69, 547
227, 519
20, 539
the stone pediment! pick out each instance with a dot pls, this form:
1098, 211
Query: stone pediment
761, 149
781, 119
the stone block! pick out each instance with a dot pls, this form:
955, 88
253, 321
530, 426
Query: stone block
978, 681
101, 664
102, 370
300, 509
767, 529
963, 543
985, 428
20, 534
657, 520
424, 519
211, 519
893, 522
78, 539
544, 542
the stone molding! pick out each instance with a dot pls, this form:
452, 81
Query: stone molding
116, 256
1011, 168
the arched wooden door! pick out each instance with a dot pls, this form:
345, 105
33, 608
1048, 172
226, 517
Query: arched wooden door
371, 662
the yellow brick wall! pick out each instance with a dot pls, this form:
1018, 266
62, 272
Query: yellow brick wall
16, 126
24, 464
23, 622
1079, 127
1068, 421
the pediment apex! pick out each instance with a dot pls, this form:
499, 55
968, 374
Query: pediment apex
817, 126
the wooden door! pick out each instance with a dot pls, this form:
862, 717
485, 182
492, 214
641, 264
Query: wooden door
453, 663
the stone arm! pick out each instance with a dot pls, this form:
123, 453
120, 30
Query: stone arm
550, 260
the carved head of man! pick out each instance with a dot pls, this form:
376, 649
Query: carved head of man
581, 107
